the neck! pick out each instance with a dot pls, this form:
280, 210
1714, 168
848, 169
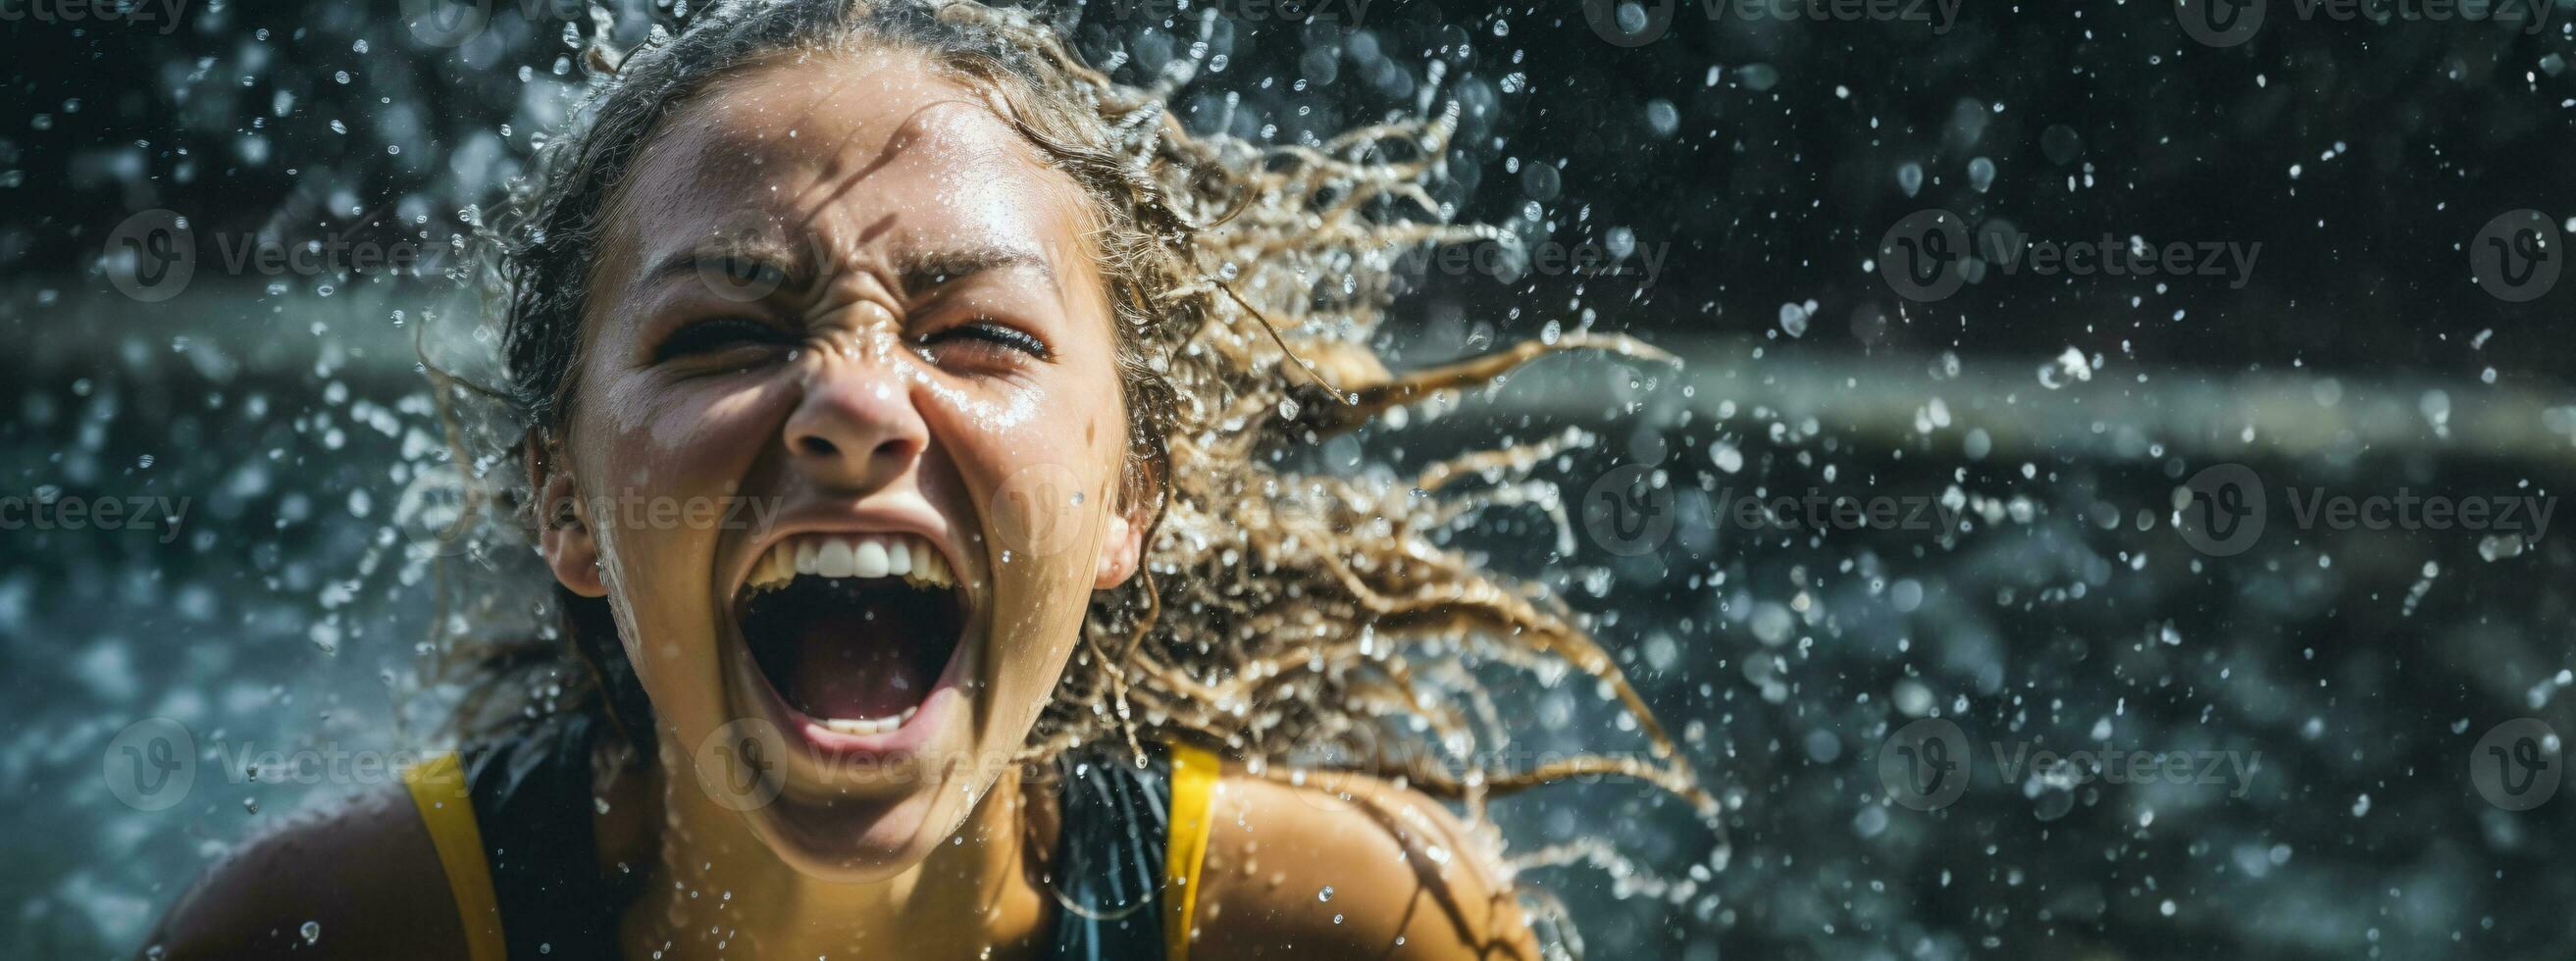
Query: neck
716, 890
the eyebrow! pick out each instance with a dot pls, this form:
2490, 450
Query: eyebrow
916, 271
922, 270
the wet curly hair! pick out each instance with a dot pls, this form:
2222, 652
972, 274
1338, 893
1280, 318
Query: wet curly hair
1296, 619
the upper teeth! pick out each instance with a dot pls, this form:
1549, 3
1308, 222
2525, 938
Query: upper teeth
908, 556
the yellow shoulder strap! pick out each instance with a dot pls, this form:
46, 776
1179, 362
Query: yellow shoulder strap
438, 790
1194, 775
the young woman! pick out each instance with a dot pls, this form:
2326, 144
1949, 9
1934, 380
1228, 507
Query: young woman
1032, 625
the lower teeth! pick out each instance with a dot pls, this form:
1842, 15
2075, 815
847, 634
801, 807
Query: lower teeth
870, 725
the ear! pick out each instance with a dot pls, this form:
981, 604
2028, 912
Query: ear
563, 527
1122, 542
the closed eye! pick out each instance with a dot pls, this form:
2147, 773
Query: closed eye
719, 335
985, 336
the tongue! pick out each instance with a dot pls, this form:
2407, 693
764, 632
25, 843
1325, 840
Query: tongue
870, 669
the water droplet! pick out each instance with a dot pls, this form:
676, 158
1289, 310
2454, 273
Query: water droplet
1326, 894
312, 931
2061, 143
1793, 319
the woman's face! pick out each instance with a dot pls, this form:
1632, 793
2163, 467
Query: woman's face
846, 450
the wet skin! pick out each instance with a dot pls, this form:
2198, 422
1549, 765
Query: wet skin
937, 328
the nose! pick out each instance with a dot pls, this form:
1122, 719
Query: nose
855, 430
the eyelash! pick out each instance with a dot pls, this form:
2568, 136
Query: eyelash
993, 335
710, 336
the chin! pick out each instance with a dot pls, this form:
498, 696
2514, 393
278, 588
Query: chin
853, 841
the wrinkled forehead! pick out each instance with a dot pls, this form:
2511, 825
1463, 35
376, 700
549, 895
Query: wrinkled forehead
860, 155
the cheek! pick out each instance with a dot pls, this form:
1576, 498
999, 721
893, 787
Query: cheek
687, 436
1045, 490
665, 466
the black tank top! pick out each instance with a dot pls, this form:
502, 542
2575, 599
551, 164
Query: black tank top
532, 800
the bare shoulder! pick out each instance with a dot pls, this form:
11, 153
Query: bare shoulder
1349, 867
364, 872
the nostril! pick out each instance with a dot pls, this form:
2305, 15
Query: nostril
817, 446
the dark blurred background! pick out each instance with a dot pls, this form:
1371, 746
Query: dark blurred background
1746, 164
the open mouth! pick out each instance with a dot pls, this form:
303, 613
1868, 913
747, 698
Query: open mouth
852, 630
